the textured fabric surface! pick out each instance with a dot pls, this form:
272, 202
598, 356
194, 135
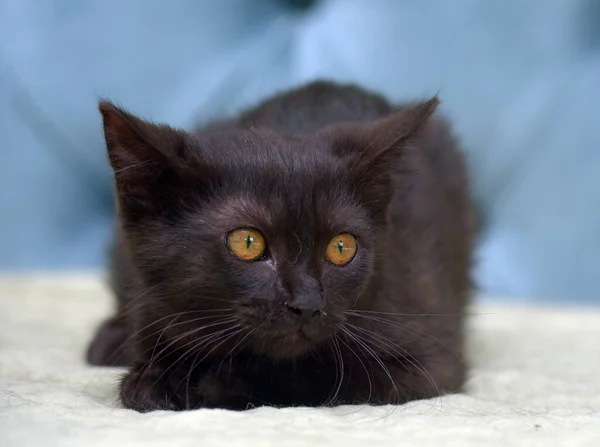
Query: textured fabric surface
518, 79
534, 382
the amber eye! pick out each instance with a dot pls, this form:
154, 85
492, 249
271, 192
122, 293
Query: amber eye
342, 249
247, 244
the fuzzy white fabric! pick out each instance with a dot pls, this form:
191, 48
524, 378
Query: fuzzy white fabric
535, 381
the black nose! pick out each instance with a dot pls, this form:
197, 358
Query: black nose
304, 313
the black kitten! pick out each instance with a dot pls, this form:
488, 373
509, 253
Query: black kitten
313, 252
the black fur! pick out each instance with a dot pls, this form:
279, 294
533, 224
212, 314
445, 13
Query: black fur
198, 327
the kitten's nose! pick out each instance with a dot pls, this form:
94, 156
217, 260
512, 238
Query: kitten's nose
306, 300
304, 313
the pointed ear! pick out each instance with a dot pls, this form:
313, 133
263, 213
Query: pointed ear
374, 150
139, 151
386, 138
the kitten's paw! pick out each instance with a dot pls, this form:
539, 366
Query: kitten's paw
151, 389
108, 346
221, 387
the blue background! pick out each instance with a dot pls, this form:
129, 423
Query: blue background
519, 79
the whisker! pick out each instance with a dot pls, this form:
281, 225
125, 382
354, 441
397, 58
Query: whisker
196, 362
144, 293
118, 171
122, 345
159, 338
373, 354
335, 358
193, 320
184, 335
364, 367
157, 299
403, 353
419, 314
339, 372
235, 346
219, 300
197, 343
409, 329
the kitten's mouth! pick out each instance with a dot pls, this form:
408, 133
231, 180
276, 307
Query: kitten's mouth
292, 338
302, 333
296, 342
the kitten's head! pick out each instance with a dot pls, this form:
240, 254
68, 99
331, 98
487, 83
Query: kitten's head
282, 233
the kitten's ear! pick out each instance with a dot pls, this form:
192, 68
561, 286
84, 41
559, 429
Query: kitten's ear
386, 138
139, 151
375, 149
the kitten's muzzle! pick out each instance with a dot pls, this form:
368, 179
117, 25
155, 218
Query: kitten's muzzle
306, 306
305, 300
304, 314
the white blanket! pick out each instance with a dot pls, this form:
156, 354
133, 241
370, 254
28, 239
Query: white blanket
535, 381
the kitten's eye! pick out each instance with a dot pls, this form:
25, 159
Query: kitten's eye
247, 244
342, 249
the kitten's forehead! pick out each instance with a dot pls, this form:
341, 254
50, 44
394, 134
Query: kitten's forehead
306, 212
290, 210
267, 151
285, 183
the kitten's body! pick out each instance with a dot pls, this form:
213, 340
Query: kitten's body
391, 326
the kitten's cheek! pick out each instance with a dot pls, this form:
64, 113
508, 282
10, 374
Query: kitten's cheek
347, 280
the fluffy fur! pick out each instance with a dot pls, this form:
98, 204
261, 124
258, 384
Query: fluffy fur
198, 327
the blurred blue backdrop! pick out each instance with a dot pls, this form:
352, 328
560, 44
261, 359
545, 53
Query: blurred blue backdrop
519, 79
